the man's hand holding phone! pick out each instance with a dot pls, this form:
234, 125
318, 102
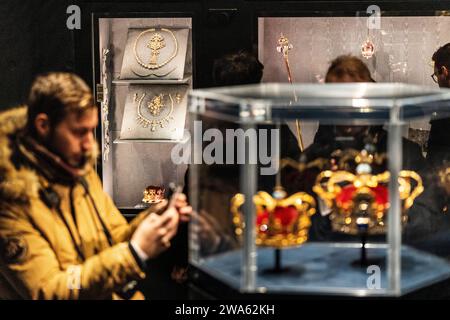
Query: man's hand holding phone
154, 233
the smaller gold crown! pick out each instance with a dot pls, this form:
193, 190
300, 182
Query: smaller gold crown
280, 221
153, 194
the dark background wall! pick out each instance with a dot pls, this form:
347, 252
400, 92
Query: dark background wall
33, 39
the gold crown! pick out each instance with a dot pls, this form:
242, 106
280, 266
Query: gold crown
153, 194
360, 201
280, 221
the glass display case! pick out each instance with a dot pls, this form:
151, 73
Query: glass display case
358, 212
145, 68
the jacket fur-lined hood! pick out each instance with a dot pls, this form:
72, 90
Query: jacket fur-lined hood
15, 184
19, 183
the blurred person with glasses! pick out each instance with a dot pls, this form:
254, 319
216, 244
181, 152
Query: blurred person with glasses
439, 139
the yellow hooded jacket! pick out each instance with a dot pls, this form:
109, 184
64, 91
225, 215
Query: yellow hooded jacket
58, 253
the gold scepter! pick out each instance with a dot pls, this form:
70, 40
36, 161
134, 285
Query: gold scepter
283, 47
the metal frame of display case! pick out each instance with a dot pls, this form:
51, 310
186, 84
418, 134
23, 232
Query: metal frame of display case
115, 141
96, 16
253, 104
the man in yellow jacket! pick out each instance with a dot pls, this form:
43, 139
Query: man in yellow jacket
61, 237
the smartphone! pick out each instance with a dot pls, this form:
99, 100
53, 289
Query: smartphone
174, 191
